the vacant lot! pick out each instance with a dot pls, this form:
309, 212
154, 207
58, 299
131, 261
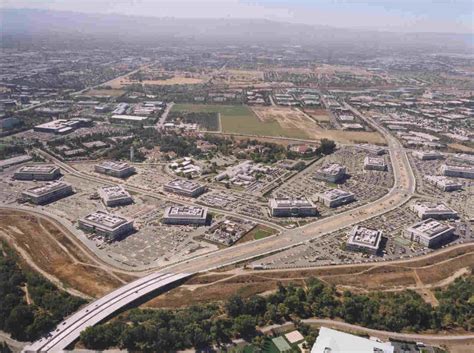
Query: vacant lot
421, 275
320, 115
259, 232
46, 248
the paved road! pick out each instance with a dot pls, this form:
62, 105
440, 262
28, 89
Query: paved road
400, 193
164, 116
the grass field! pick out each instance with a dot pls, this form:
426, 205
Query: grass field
240, 119
259, 232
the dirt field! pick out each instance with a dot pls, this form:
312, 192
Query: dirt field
320, 115
47, 249
461, 148
294, 121
421, 275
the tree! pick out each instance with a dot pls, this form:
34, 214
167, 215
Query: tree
326, 147
18, 321
244, 326
235, 306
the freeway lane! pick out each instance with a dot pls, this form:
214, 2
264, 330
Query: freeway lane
401, 192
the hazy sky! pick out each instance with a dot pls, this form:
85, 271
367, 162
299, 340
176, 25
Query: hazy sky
396, 15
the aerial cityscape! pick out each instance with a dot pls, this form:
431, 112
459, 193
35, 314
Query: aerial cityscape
268, 177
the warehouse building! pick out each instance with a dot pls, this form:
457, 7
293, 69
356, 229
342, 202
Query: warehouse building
185, 215
364, 239
63, 126
291, 207
184, 187
428, 155
49, 192
335, 197
457, 172
443, 183
45, 172
429, 232
375, 163
426, 210
115, 169
128, 119
331, 173
106, 224
115, 196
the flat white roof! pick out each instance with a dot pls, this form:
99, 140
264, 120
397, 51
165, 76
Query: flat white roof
129, 117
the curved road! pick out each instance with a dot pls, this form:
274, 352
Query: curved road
401, 192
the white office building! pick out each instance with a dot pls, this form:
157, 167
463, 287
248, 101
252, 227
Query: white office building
48, 192
185, 215
115, 169
364, 239
335, 197
45, 172
106, 224
291, 207
443, 183
457, 172
375, 163
331, 173
184, 187
427, 155
429, 232
114, 196
426, 210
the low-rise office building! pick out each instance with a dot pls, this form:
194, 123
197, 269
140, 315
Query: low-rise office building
185, 215
443, 183
331, 173
375, 163
115, 169
364, 239
184, 187
45, 172
106, 224
291, 207
115, 196
457, 172
63, 126
335, 197
128, 119
426, 210
429, 232
428, 155
48, 192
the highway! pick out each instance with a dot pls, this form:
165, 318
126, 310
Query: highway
69, 330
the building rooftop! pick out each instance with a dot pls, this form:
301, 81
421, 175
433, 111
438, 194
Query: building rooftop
334, 194
114, 192
377, 161
114, 165
290, 202
129, 117
333, 169
37, 168
183, 184
105, 219
365, 236
46, 188
186, 211
430, 227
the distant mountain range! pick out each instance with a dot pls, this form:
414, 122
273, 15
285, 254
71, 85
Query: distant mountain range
31, 23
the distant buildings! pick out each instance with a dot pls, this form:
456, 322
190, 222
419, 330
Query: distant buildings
49, 192
426, 156
107, 225
185, 215
443, 183
364, 239
429, 232
426, 210
183, 187
458, 172
6, 163
291, 207
45, 172
335, 197
332, 341
63, 126
375, 163
378, 150
115, 169
115, 196
128, 119
332, 173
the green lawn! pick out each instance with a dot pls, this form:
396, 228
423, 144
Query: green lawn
240, 119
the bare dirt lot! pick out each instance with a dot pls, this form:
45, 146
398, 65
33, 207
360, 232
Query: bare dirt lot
420, 275
294, 121
46, 248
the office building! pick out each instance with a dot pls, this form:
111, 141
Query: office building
335, 197
115, 196
428, 155
331, 173
443, 183
426, 210
106, 224
457, 172
184, 187
291, 207
47, 193
115, 169
185, 215
429, 232
332, 341
63, 126
44, 172
364, 239
375, 163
